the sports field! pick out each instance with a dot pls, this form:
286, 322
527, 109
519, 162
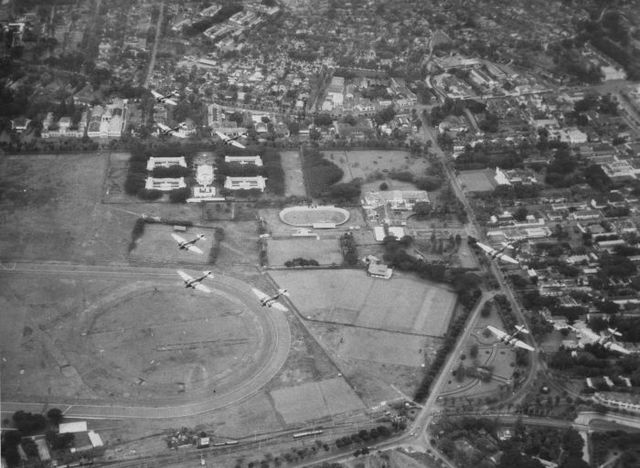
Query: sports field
476, 181
315, 400
362, 164
326, 251
293, 180
351, 297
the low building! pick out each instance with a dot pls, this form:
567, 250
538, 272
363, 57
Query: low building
164, 184
246, 183
256, 160
379, 270
154, 162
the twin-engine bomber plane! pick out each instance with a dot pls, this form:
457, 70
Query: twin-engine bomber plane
511, 339
227, 140
271, 301
493, 253
165, 98
195, 283
189, 245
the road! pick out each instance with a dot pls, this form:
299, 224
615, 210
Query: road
154, 51
274, 323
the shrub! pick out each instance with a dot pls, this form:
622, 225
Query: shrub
150, 195
179, 195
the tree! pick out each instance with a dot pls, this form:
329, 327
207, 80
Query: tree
422, 209
55, 416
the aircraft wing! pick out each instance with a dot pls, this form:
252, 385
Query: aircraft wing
178, 238
523, 345
184, 276
171, 102
156, 94
193, 248
259, 294
277, 305
497, 332
486, 248
236, 144
163, 127
508, 259
201, 287
618, 348
222, 136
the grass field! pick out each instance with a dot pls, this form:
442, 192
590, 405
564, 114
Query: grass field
157, 246
350, 297
111, 339
293, 179
51, 209
315, 400
476, 181
363, 164
325, 251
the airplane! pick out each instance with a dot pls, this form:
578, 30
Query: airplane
271, 301
165, 99
227, 140
511, 339
184, 244
493, 253
587, 336
195, 283
166, 130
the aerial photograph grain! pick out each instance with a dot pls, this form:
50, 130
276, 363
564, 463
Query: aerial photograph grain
320, 233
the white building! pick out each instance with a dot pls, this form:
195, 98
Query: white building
164, 184
205, 174
154, 162
245, 183
256, 160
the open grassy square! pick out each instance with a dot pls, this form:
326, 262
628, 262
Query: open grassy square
476, 181
315, 400
293, 179
326, 251
158, 246
381, 346
363, 163
403, 304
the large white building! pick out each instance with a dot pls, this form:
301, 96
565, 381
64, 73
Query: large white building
245, 183
154, 162
256, 160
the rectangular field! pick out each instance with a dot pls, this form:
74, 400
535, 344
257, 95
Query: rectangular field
402, 304
315, 400
476, 181
325, 251
381, 346
293, 179
361, 164
51, 210
157, 246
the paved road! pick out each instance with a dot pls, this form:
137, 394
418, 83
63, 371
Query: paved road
154, 51
278, 342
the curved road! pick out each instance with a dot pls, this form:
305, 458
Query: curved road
275, 321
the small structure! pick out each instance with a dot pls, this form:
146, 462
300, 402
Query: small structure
256, 160
72, 427
245, 183
379, 270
